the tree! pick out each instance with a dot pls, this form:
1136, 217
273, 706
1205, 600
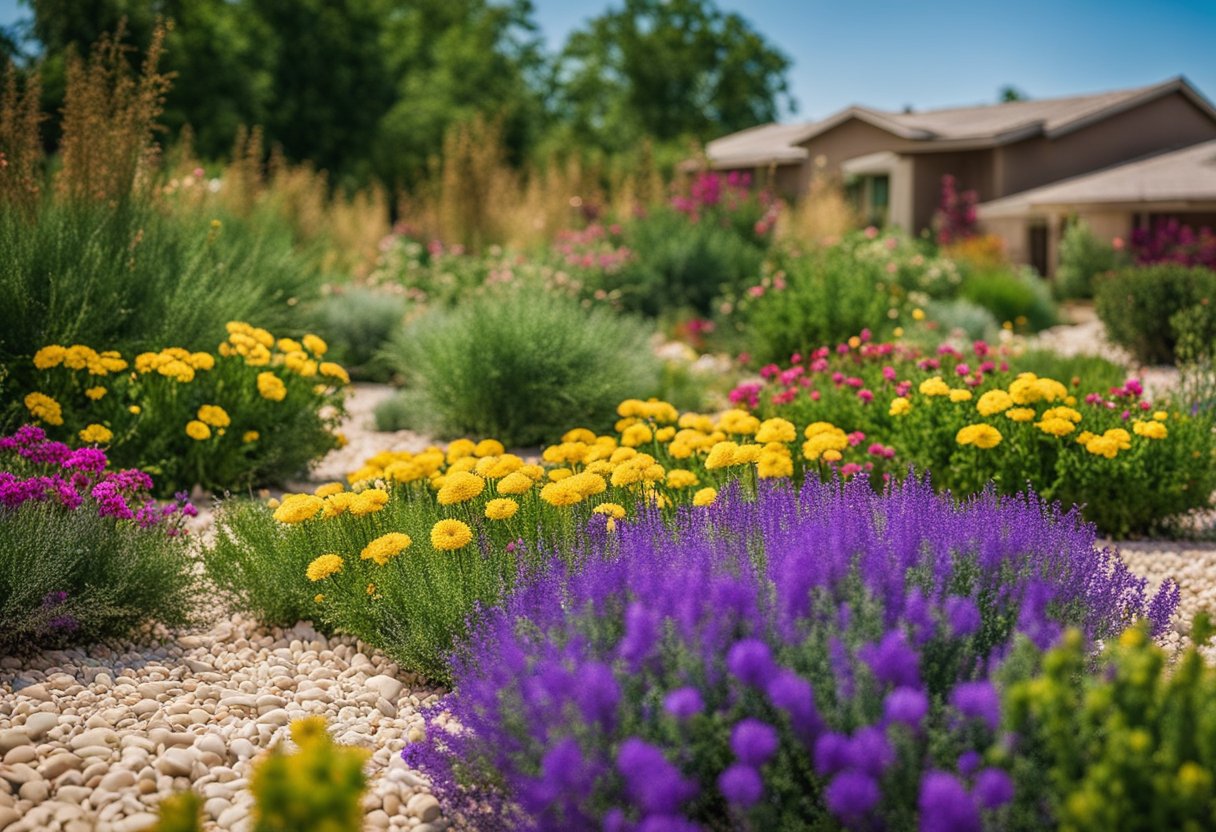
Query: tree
669, 69
1009, 93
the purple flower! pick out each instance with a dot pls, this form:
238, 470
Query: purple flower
751, 662
92, 460
741, 785
906, 705
754, 742
870, 752
851, 795
683, 703
978, 700
791, 693
54, 599
968, 762
832, 754
893, 660
993, 788
945, 805
654, 784
963, 615
641, 634
64, 624
598, 694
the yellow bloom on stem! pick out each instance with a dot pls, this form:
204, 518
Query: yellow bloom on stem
329, 489
833, 440
1020, 414
501, 508
331, 370
774, 466
560, 494
197, 430
579, 435
250, 436
586, 483
1062, 413
899, 406
385, 547
517, 483
1102, 446
289, 345
722, 455
42, 406
993, 402
489, 447
449, 535
201, 360
324, 566
934, 387
49, 356
1056, 426
271, 387
831, 455
613, 510
960, 395
96, 433
296, 508
336, 504
500, 466
95, 393
705, 497
315, 345
1150, 430
214, 415
1161, 415
1121, 437
368, 502
681, 478
460, 487
738, 422
981, 435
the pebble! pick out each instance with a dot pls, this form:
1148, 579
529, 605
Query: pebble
424, 807
38, 724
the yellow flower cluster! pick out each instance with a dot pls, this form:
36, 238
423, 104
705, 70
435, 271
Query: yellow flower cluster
324, 566
259, 348
823, 437
99, 434
79, 357
386, 547
175, 363
982, 435
1107, 444
214, 415
44, 408
271, 387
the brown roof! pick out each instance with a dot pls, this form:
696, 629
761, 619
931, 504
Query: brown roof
1179, 176
983, 125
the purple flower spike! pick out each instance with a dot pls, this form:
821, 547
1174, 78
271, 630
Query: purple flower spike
945, 805
751, 662
993, 788
655, 785
906, 705
741, 785
754, 742
963, 615
851, 795
683, 703
978, 700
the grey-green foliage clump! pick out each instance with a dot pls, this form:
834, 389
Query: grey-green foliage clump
522, 365
357, 323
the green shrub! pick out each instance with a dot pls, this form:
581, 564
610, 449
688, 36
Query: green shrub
315, 789
974, 321
679, 263
1082, 258
259, 412
83, 556
1020, 297
134, 276
1083, 373
1138, 306
358, 323
523, 365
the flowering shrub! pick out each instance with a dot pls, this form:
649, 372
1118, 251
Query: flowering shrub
1131, 746
1138, 307
969, 418
956, 217
1170, 241
821, 659
260, 409
85, 553
868, 279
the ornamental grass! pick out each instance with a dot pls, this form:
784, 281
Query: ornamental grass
821, 658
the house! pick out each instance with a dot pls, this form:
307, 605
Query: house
893, 163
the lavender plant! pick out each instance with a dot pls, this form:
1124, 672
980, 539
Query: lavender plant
813, 659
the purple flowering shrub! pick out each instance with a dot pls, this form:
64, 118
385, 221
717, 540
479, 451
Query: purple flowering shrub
813, 659
85, 552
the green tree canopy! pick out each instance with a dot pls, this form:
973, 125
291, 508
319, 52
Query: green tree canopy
668, 69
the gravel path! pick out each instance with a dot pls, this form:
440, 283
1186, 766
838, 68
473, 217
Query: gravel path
1192, 565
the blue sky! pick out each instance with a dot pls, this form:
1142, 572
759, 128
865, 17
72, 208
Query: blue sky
892, 53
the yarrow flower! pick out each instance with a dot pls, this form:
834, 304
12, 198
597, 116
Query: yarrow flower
449, 535
324, 566
385, 547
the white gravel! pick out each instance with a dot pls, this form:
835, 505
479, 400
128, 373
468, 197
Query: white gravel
1192, 565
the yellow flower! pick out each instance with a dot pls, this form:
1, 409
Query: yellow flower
197, 430
96, 433
43, 407
738, 422
318, 598
665, 434
495, 468
918, 314
501, 508
289, 345
776, 430
329, 489
250, 436
449, 535
385, 547
635, 435
517, 483
489, 447
1161, 415
1056, 426
899, 406
1150, 430
722, 455
214, 415
981, 435
993, 402
1020, 414
134, 410
95, 393
586, 483
1121, 437
324, 566
834, 440
331, 370
578, 435
1061, 413
271, 387
1103, 446
898, 332
774, 466
296, 508
934, 387
460, 487
49, 356
315, 345
201, 360
371, 590
560, 494
613, 510
368, 502
336, 504
831, 455
959, 395
705, 497
681, 478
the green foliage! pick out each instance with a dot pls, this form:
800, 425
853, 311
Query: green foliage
182, 812
1138, 306
679, 263
1130, 745
70, 576
523, 365
973, 321
358, 323
1082, 258
317, 788
132, 277
716, 75
1020, 297
1083, 373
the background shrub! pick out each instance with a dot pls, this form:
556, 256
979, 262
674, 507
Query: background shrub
1083, 257
958, 316
358, 323
522, 365
1137, 306
84, 555
1018, 296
